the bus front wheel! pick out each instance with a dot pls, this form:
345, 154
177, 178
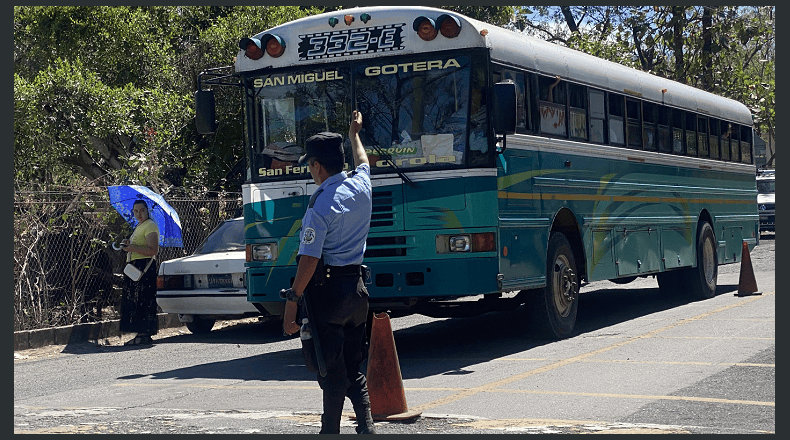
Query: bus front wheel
553, 308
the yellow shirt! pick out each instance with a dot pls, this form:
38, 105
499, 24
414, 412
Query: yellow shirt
138, 238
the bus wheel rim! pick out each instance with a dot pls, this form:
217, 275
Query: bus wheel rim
564, 286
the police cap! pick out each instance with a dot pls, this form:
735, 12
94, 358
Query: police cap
324, 145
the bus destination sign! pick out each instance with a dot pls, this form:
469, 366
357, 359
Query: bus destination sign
351, 42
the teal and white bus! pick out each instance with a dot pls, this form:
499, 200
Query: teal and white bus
507, 171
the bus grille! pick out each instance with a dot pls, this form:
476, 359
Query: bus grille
383, 214
385, 247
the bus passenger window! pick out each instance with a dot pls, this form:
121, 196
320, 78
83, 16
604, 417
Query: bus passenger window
735, 154
715, 126
746, 145
522, 110
702, 136
678, 140
552, 106
578, 107
726, 137
634, 115
616, 119
649, 141
597, 116
691, 134
664, 136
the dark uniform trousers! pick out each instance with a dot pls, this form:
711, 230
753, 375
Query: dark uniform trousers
342, 308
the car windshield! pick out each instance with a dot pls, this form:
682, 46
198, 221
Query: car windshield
228, 236
766, 186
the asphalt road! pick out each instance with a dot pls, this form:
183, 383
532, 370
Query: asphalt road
638, 363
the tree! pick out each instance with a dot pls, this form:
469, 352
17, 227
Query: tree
107, 92
727, 50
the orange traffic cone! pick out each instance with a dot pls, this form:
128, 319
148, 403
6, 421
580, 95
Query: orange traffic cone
385, 384
747, 285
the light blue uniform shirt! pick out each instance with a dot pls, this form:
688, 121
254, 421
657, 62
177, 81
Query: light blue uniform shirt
336, 225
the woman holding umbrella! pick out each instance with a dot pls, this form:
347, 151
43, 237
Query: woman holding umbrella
138, 304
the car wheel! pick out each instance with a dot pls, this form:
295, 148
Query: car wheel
200, 325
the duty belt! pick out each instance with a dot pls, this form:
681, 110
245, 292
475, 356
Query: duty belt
352, 269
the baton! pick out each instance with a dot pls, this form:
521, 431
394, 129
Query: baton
316, 282
319, 354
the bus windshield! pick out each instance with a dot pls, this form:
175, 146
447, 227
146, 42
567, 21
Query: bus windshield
416, 115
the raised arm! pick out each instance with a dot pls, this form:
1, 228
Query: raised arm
357, 149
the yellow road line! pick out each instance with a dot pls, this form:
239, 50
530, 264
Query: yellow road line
628, 361
546, 368
637, 396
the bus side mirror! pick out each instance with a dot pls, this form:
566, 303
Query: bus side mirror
504, 108
205, 118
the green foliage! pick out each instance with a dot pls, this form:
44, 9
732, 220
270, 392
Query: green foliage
727, 50
106, 92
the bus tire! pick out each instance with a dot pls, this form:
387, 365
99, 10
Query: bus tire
554, 307
702, 279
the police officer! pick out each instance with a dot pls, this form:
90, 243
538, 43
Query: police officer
334, 229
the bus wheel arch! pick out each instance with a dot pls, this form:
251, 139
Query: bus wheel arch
566, 223
553, 308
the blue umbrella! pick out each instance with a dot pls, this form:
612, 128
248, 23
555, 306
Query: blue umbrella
122, 198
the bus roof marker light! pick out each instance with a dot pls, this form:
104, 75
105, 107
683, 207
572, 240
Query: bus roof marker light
365, 18
348, 19
448, 25
251, 48
333, 21
275, 46
425, 28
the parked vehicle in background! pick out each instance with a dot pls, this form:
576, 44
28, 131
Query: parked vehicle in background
766, 199
211, 283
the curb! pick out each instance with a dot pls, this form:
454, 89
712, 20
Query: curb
69, 334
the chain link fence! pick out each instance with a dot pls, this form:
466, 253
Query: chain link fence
65, 269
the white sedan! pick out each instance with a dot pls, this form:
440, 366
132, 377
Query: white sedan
211, 283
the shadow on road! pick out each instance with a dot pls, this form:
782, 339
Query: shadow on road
441, 346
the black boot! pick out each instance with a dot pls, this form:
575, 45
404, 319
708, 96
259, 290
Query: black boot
365, 423
333, 411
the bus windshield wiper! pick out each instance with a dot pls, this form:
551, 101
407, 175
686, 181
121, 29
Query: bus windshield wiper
397, 169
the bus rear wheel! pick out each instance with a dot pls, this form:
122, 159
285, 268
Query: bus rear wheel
702, 279
554, 307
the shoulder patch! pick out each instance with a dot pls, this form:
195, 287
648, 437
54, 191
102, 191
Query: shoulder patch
308, 237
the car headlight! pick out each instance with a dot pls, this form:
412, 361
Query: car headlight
262, 252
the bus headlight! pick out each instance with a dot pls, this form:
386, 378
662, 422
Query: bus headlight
461, 243
454, 243
262, 252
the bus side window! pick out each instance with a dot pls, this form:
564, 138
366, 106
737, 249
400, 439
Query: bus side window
702, 136
678, 139
522, 109
726, 137
715, 126
746, 145
552, 106
597, 116
634, 118
616, 119
578, 111
691, 134
735, 155
664, 135
649, 120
